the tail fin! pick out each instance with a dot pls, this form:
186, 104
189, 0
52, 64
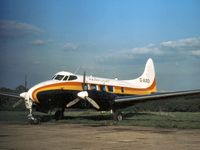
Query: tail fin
147, 80
148, 75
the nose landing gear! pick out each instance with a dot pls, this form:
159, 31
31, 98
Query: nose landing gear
33, 120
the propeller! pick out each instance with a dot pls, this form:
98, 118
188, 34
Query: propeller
83, 95
84, 84
25, 82
23, 96
73, 102
17, 103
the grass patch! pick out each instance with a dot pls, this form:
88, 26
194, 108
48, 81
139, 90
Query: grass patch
181, 120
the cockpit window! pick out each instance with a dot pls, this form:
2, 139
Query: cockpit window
72, 77
59, 77
69, 78
65, 78
54, 76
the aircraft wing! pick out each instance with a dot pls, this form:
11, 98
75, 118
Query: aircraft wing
130, 100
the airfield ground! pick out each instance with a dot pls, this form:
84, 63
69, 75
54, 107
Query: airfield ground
87, 133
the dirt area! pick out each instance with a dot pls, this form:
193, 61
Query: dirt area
89, 137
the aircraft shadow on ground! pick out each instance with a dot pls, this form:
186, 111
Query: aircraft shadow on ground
132, 114
47, 118
93, 118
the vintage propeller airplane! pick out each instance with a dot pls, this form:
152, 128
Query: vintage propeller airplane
68, 90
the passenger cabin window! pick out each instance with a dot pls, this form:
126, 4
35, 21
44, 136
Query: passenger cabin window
122, 89
110, 89
93, 87
103, 88
85, 87
59, 77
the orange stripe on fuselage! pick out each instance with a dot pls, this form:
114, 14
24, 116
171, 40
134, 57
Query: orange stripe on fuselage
142, 91
57, 86
78, 86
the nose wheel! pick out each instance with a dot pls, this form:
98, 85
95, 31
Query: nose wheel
31, 119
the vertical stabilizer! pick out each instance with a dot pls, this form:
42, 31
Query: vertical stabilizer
149, 72
147, 80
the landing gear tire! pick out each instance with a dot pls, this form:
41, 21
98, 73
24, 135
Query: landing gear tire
58, 115
118, 116
33, 120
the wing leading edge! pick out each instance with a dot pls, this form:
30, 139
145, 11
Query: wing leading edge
156, 96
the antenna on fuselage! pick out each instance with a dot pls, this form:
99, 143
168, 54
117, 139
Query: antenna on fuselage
77, 69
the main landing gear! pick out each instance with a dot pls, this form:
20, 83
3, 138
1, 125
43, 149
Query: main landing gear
117, 115
59, 114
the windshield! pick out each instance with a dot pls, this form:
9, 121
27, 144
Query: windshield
72, 77
69, 78
54, 76
59, 77
65, 78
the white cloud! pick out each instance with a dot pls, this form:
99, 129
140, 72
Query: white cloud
11, 28
131, 53
36, 62
182, 47
189, 46
196, 53
145, 50
189, 42
38, 42
70, 46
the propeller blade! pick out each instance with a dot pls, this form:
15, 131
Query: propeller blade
17, 103
84, 81
25, 82
84, 77
10, 95
73, 102
91, 101
85, 88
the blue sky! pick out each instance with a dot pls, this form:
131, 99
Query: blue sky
106, 38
